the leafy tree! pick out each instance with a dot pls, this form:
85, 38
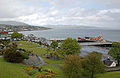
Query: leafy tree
54, 44
92, 64
72, 66
115, 51
70, 46
16, 35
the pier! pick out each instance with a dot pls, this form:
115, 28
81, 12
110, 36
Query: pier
95, 43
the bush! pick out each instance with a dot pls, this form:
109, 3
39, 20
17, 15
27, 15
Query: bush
12, 55
25, 55
32, 72
1, 53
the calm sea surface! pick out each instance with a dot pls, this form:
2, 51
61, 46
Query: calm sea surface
112, 35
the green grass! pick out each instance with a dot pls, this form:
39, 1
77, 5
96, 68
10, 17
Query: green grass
59, 72
53, 60
27, 44
38, 51
115, 74
12, 70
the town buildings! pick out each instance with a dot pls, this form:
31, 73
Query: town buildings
4, 35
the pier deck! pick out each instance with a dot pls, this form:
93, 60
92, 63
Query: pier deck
95, 43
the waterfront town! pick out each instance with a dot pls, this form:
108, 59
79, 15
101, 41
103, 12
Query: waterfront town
59, 38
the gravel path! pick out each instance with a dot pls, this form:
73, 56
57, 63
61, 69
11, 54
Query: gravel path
42, 60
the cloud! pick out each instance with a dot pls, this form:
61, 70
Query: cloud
110, 3
15, 8
76, 16
62, 12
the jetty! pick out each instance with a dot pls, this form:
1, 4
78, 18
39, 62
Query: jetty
96, 43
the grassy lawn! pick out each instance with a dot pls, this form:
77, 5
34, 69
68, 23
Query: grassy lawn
53, 60
27, 44
12, 70
115, 74
38, 51
59, 72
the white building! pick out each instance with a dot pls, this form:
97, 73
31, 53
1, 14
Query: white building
109, 63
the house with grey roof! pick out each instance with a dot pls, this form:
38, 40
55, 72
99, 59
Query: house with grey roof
109, 63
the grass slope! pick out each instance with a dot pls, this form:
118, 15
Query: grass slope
60, 73
27, 44
12, 70
115, 74
38, 51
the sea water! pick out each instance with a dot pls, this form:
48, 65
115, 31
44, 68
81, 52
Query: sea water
111, 35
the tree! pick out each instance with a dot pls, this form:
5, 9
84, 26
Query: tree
115, 51
92, 64
54, 44
16, 35
70, 46
72, 66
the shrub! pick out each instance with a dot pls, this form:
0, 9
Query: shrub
40, 76
28, 69
12, 55
1, 53
49, 76
32, 72
46, 76
25, 55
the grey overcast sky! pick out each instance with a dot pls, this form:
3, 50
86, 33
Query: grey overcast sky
99, 13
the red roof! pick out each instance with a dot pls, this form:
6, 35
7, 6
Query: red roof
3, 32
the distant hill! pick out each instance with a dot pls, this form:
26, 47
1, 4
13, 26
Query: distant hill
13, 23
12, 26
